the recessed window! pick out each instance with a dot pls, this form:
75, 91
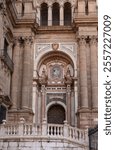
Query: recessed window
55, 14
44, 14
67, 13
2, 113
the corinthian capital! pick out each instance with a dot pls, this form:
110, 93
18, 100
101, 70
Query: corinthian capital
93, 40
23, 40
82, 40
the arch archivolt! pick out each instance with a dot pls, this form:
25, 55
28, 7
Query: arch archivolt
66, 51
61, 2
54, 103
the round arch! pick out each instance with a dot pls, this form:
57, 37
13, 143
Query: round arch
55, 54
56, 114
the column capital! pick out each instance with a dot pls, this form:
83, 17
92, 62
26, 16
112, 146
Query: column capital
23, 40
82, 40
93, 39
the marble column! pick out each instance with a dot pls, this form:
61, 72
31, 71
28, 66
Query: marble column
94, 71
38, 15
72, 13
50, 15
17, 73
68, 103
27, 74
61, 15
76, 94
88, 55
1, 28
43, 101
83, 73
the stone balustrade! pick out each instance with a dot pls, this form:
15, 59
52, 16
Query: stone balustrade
56, 131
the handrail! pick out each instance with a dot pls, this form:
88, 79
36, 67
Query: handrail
52, 130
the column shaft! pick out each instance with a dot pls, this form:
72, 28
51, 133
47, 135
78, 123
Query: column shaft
61, 16
43, 102
68, 104
50, 15
94, 71
83, 73
38, 15
27, 75
17, 75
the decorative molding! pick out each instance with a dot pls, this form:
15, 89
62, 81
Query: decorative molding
41, 47
54, 46
82, 40
61, 2
93, 40
23, 40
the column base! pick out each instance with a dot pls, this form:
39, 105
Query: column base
87, 118
15, 115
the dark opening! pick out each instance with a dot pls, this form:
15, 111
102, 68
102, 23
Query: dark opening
2, 113
56, 114
44, 14
55, 14
67, 14
5, 46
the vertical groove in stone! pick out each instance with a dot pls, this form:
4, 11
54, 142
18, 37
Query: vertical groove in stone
94, 71
83, 73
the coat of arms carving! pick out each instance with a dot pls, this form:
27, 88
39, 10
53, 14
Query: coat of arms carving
55, 46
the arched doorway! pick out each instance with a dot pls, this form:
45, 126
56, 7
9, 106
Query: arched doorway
56, 114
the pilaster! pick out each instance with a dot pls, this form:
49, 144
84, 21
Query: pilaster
27, 74
17, 74
94, 71
83, 72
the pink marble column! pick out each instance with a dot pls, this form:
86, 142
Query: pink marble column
94, 71
83, 72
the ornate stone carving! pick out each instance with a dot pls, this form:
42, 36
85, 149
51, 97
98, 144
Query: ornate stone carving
43, 77
68, 47
2, 7
93, 40
39, 2
68, 78
41, 47
56, 72
82, 40
55, 46
23, 40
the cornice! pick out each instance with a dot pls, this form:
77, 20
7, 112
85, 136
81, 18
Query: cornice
16, 19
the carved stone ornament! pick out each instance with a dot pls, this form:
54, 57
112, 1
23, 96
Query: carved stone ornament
55, 46
68, 77
43, 77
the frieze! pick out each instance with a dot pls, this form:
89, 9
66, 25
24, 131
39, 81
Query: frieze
61, 2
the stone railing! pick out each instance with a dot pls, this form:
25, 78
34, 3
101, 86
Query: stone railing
52, 131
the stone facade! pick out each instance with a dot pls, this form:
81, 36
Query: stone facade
48, 69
